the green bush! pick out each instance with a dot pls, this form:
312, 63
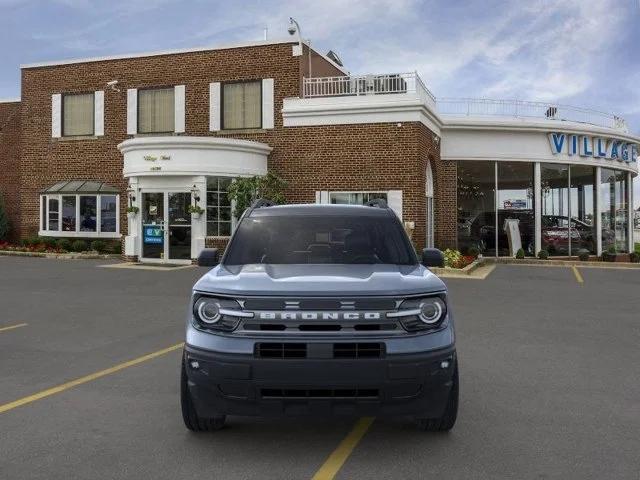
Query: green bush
99, 246
543, 254
520, 253
115, 248
583, 254
50, 242
634, 257
79, 246
30, 241
452, 257
64, 244
245, 190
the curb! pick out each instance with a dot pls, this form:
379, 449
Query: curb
563, 263
61, 256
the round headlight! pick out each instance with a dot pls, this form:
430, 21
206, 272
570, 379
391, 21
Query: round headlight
431, 310
208, 310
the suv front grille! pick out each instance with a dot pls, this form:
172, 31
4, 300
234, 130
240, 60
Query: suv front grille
357, 350
281, 350
342, 392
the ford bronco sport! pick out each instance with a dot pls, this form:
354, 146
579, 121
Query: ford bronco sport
319, 310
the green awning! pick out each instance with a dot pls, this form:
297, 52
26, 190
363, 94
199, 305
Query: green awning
81, 187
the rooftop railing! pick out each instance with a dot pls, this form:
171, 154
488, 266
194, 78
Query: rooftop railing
411, 83
524, 109
357, 85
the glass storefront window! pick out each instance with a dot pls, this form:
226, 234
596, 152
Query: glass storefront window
54, 205
355, 198
477, 207
87, 214
69, 213
554, 199
108, 213
218, 207
582, 201
515, 202
614, 197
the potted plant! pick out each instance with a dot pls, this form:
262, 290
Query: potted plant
543, 254
195, 211
132, 211
610, 255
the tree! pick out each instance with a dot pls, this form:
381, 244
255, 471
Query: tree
245, 190
4, 220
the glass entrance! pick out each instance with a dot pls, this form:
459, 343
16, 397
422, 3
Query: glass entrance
179, 226
166, 226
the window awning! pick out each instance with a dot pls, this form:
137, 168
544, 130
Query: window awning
80, 187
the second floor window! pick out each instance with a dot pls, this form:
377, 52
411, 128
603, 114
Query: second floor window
77, 114
242, 105
156, 110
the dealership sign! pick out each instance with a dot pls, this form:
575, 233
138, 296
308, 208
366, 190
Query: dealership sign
592, 146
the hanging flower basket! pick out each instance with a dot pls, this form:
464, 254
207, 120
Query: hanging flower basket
132, 212
195, 211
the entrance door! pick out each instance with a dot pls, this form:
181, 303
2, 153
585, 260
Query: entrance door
166, 226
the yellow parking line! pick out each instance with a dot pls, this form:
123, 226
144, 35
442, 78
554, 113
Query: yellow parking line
335, 461
88, 378
577, 274
11, 327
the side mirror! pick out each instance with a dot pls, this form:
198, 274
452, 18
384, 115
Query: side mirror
432, 257
208, 257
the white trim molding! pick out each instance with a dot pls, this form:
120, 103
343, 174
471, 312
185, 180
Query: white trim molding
98, 113
179, 108
132, 111
214, 107
56, 115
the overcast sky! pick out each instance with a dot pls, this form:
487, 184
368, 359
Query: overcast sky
581, 52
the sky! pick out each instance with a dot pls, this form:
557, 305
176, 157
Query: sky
576, 52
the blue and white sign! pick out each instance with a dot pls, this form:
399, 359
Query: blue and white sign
153, 235
592, 146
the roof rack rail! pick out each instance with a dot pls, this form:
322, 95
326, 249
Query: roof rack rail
377, 202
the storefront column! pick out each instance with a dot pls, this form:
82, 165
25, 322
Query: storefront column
631, 221
598, 219
537, 207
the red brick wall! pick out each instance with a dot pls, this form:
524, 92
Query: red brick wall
340, 157
9, 161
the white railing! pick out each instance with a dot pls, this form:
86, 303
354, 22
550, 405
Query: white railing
524, 109
393, 83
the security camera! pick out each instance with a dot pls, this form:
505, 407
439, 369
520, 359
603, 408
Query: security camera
112, 85
291, 29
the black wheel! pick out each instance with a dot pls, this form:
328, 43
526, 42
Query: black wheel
448, 418
191, 419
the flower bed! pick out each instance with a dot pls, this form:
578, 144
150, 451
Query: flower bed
49, 245
454, 259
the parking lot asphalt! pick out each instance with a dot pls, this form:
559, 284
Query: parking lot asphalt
549, 367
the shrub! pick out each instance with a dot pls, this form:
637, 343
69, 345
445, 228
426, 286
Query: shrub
543, 254
634, 257
30, 241
99, 246
48, 242
474, 251
79, 246
520, 253
115, 248
4, 220
245, 190
583, 254
64, 244
452, 257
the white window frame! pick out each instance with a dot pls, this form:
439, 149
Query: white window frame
78, 233
233, 221
386, 193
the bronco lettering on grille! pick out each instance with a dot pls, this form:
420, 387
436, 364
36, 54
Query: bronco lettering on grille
318, 315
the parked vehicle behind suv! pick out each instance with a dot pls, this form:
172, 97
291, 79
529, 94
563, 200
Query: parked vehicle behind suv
320, 310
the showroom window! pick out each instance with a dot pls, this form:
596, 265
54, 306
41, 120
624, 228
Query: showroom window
614, 212
477, 207
218, 207
515, 202
242, 105
355, 198
582, 202
78, 114
80, 208
156, 110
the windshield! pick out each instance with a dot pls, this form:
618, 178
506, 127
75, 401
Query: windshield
320, 239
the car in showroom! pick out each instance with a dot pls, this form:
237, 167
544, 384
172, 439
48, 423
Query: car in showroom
320, 310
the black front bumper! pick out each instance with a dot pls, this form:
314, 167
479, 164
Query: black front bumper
396, 385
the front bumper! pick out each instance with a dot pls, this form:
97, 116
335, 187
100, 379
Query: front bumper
414, 384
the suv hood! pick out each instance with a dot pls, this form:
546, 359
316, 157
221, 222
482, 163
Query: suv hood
320, 280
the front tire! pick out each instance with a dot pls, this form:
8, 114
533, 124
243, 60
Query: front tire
191, 419
448, 418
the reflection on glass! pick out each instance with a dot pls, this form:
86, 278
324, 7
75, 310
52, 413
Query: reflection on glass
87, 214
554, 197
108, 213
153, 225
613, 210
179, 226
622, 212
54, 212
583, 194
476, 207
515, 202
69, 213
218, 206
355, 198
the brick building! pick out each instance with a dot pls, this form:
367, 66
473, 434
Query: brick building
163, 131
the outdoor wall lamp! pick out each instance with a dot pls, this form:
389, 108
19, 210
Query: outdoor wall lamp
196, 194
132, 195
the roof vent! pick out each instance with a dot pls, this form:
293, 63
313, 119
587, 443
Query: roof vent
334, 57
